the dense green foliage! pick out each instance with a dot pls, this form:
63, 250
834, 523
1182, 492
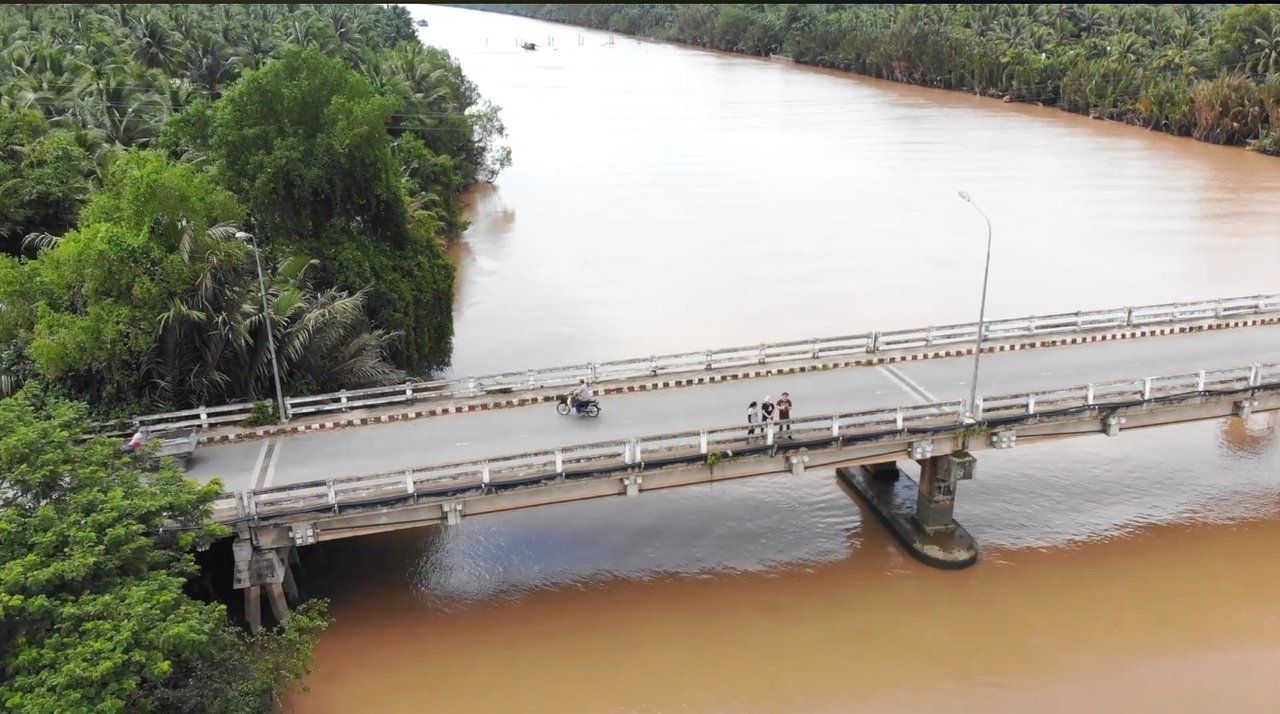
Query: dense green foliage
94, 556
328, 131
304, 141
154, 300
1208, 71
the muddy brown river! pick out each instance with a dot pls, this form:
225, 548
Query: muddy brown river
664, 199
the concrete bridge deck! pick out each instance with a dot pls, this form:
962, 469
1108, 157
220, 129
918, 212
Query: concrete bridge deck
459, 437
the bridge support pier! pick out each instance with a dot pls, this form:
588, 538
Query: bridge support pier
263, 572
920, 516
632, 484
290, 583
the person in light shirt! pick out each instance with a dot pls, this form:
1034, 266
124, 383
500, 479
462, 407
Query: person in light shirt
582, 396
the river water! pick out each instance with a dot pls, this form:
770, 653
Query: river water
664, 199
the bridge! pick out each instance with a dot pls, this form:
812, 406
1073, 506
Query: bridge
477, 451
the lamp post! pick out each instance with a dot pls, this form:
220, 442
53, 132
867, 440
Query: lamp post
266, 315
982, 310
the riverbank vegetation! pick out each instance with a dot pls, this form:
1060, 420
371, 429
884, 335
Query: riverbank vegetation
147, 153
95, 562
141, 143
1211, 72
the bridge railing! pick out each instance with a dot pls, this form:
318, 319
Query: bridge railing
691, 445
762, 354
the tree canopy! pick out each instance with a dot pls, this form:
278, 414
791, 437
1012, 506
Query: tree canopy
304, 140
155, 299
328, 131
94, 556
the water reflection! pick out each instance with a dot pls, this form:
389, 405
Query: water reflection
1039, 497
1249, 437
770, 525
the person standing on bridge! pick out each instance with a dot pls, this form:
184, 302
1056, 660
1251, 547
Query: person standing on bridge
753, 418
766, 412
784, 414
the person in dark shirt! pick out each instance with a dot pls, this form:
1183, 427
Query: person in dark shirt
784, 414
766, 412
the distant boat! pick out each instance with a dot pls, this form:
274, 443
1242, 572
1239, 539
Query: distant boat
529, 45
422, 23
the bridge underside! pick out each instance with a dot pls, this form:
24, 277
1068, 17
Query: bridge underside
267, 542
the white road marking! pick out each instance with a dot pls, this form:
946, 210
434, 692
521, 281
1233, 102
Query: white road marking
462, 443
908, 385
257, 466
271, 469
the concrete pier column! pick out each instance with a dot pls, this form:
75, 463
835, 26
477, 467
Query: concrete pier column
886, 472
254, 569
919, 515
253, 607
279, 607
290, 584
937, 493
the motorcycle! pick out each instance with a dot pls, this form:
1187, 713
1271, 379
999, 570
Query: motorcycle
591, 407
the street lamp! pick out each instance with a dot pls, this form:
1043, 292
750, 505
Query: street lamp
266, 315
982, 309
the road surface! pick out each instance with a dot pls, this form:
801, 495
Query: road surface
462, 437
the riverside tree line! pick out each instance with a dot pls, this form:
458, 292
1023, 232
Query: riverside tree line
138, 140
1207, 71
137, 145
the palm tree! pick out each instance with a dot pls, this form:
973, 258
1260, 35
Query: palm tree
209, 64
123, 102
1265, 57
155, 46
211, 345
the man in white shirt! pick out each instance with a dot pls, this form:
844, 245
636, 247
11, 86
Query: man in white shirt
583, 394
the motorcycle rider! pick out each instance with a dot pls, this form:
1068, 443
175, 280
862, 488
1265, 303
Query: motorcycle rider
579, 399
135, 444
